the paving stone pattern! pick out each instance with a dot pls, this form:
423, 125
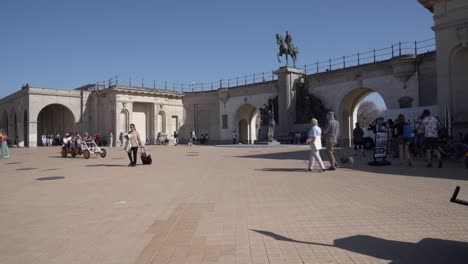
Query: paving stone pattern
226, 205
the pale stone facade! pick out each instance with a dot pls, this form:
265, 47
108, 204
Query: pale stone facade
451, 31
32, 111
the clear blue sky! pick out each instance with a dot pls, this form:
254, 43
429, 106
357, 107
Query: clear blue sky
66, 44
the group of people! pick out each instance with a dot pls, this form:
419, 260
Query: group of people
73, 140
403, 135
427, 132
427, 127
203, 139
4, 141
49, 139
331, 133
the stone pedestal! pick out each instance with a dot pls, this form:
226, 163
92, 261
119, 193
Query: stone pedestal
287, 78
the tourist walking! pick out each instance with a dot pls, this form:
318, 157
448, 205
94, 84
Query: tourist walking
331, 133
5, 150
358, 139
135, 142
176, 140
234, 137
315, 141
431, 133
192, 137
404, 134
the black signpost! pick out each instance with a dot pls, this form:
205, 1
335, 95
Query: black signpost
380, 149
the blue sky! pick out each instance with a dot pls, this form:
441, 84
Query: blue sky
66, 44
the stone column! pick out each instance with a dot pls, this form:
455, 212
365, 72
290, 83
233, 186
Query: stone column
32, 133
287, 77
451, 34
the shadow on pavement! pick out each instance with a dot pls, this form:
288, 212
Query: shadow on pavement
50, 178
106, 165
450, 170
427, 250
283, 169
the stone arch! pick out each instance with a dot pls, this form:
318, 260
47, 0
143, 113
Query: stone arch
124, 117
13, 125
347, 110
5, 121
245, 123
162, 128
26, 128
458, 83
55, 118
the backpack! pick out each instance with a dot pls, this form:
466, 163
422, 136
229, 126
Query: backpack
408, 131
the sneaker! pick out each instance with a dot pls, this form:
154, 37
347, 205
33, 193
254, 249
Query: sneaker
131, 163
323, 170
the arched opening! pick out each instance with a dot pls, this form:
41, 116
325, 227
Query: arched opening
26, 128
15, 129
55, 119
141, 119
246, 118
459, 86
352, 103
124, 121
243, 131
162, 122
5, 121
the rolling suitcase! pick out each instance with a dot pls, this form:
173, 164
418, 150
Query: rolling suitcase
145, 157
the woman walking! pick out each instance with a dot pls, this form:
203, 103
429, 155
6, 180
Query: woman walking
135, 142
5, 150
404, 133
315, 145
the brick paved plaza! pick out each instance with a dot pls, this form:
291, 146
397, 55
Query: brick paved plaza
226, 205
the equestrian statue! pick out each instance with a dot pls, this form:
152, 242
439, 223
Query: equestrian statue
287, 48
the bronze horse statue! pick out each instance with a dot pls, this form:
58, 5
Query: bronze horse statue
286, 48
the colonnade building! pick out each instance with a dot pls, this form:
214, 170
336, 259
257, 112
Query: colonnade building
438, 77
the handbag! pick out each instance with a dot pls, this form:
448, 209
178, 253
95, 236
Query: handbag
316, 145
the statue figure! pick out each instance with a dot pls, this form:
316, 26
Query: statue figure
264, 115
287, 48
271, 121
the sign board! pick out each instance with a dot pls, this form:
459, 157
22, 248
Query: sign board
381, 144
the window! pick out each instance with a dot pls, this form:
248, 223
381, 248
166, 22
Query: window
225, 121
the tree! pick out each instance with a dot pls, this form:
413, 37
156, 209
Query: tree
367, 112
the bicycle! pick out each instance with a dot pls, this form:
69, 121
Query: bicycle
448, 151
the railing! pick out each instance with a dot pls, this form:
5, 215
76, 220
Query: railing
372, 56
358, 59
137, 82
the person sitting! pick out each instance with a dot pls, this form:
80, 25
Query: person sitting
86, 136
159, 139
67, 141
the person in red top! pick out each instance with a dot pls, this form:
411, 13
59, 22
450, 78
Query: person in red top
4, 139
98, 139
